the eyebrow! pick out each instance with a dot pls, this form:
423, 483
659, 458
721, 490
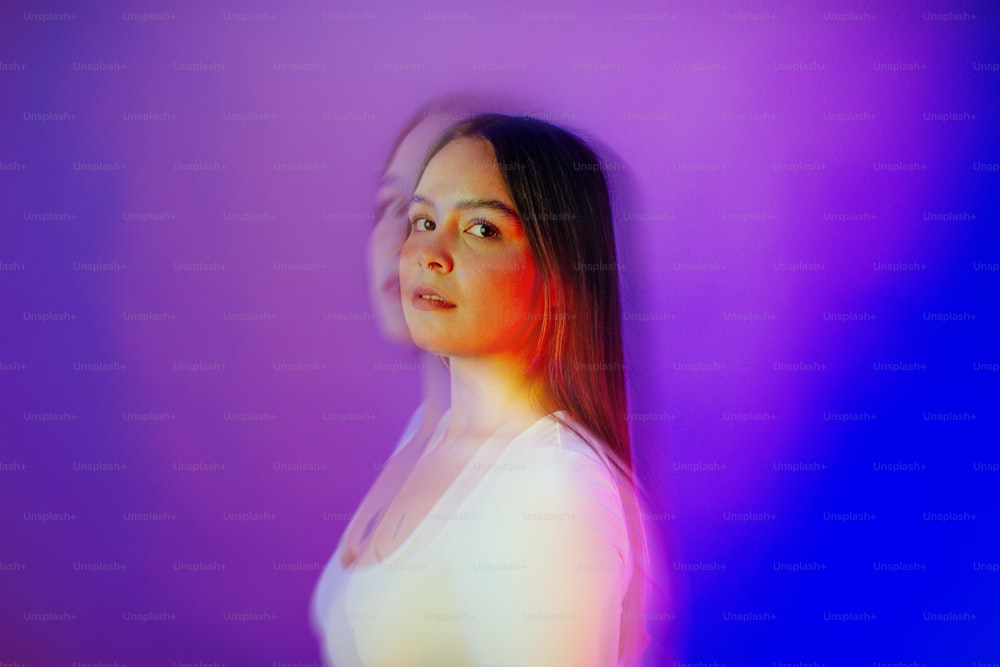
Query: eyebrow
466, 204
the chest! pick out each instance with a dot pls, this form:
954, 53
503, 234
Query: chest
409, 616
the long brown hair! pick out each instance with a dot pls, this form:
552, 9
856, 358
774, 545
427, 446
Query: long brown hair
561, 195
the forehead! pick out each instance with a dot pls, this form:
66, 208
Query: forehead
464, 168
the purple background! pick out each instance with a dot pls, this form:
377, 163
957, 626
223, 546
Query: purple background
816, 201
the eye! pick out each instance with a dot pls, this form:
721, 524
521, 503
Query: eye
484, 229
422, 224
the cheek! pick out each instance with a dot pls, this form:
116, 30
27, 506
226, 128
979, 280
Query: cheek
512, 286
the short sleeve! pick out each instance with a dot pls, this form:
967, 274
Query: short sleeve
550, 566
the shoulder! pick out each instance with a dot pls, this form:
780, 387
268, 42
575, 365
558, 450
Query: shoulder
555, 482
563, 453
554, 518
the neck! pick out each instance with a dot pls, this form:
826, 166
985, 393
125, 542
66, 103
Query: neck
435, 382
489, 394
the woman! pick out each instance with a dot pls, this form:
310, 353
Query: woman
515, 536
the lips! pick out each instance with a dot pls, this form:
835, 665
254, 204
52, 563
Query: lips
424, 298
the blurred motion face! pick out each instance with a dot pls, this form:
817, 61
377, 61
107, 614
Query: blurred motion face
392, 201
467, 248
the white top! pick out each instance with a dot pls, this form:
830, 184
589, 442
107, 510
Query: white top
529, 566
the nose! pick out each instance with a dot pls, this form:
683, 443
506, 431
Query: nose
432, 252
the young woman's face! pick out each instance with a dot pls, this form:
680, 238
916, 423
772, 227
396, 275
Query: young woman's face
467, 246
387, 236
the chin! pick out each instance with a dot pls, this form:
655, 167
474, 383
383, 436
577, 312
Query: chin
433, 344
430, 345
